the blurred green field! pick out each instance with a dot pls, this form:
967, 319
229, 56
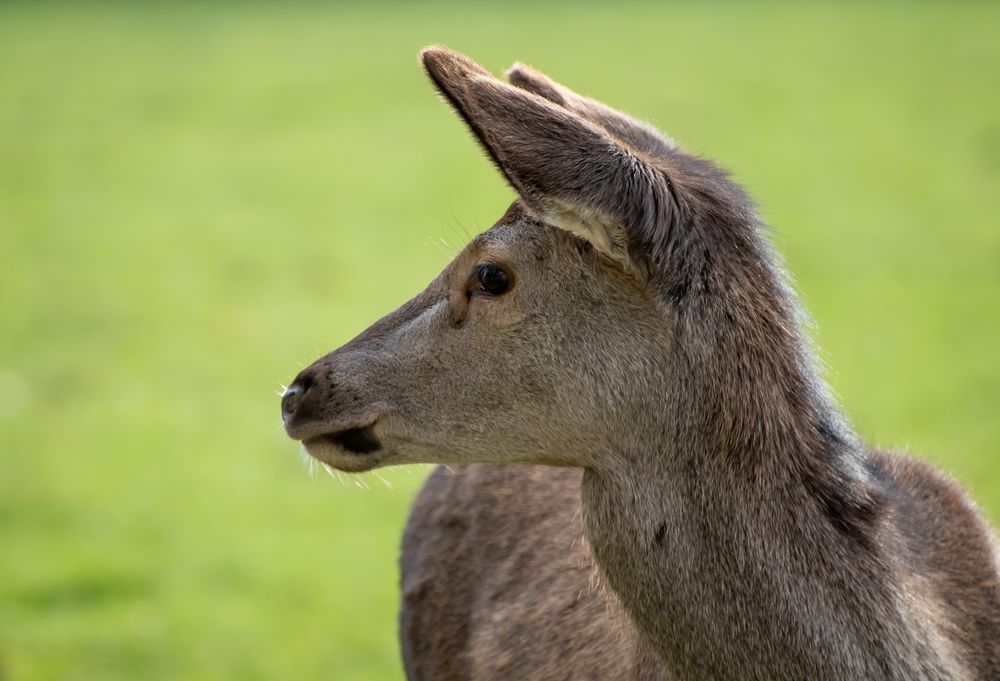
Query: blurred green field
197, 201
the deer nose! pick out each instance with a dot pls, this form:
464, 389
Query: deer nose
292, 398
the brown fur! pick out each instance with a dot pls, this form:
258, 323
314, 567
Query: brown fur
528, 603
649, 339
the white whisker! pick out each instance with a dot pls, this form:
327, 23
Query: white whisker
307, 461
329, 471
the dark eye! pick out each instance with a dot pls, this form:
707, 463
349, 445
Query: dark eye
492, 280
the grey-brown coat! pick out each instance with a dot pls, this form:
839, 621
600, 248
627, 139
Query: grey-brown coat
627, 317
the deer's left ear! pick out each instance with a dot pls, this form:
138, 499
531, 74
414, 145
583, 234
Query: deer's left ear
640, 136
567, 169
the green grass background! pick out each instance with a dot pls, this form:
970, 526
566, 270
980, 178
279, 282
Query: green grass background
196, 201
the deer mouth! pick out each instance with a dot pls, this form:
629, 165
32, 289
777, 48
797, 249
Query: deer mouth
359, 441
353, 449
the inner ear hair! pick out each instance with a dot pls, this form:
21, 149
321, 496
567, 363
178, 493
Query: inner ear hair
600, 231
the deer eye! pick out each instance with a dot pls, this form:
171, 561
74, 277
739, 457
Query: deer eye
492, 280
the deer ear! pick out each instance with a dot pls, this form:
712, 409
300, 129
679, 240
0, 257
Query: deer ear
566, 168
640, 136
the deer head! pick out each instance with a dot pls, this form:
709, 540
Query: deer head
623, 292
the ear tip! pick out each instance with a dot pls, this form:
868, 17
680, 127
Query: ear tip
519, 71
435, 56
433, 52
523, 76
442, 63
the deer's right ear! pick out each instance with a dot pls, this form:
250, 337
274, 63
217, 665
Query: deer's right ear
567, 169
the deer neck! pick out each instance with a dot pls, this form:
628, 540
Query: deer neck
740, 531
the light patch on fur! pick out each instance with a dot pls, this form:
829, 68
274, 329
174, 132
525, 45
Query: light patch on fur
929, 616
592, 225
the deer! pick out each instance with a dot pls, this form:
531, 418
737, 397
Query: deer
642, 473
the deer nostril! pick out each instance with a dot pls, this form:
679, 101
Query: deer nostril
291, 400
296, 394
